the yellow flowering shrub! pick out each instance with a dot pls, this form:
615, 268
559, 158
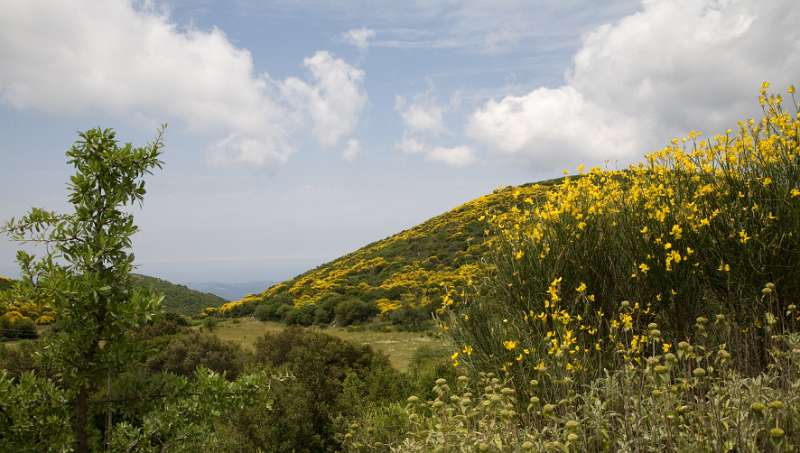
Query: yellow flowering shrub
694, 229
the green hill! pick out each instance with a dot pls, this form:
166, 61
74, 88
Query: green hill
178, 298
416, 267
5, 283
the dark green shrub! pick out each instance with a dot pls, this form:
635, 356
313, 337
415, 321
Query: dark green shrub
20, 328
183, 354
324, 311
321, 364
290, 425
176, 318
354, 311
267, 312
411, 318
303, 316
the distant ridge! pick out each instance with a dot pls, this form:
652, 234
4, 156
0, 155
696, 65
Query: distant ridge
230, 291
178, 298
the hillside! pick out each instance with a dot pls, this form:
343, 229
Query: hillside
415, 267
5, 283
178, 298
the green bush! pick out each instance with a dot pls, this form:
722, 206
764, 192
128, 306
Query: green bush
268, 311
412, 318
18, 328
320, 364
352, 311
303, 315
185, 353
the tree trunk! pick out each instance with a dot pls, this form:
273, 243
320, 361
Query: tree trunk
81, 419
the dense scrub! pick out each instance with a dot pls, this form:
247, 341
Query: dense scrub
696, 230
187, 391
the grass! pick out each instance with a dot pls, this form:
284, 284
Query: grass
398, 346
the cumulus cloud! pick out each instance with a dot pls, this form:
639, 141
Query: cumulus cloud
423, 119
352, 150
359, 37
655, 74
421, 115
335, 99
135, 62
457, 156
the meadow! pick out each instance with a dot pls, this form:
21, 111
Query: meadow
398, 346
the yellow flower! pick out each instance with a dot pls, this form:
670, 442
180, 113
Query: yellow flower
743, 237
644, 268
510, 344
467, 350
581, 288
518, 256
795, 193
666, 347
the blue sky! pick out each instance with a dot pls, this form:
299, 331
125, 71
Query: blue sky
300, 130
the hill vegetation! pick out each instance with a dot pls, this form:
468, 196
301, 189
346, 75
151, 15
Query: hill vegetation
19, 314
402, 277
178, 298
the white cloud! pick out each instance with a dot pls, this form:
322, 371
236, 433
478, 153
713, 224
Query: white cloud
352, 150
655, 74
131, 62
359, 37
458, 156
422, 115
411, 145
424, 121
334, 101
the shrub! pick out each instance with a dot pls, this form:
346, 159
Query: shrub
411, 318
18, 327
689, 400
694, 231
303, 315
185, 353
352, 311
321, 364
267, 312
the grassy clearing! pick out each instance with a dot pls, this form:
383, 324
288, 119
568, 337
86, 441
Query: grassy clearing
398, 346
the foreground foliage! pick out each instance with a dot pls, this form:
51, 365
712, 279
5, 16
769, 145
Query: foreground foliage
691, 400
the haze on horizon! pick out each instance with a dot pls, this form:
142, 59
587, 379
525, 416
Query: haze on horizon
301, 130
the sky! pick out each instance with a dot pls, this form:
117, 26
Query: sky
300, 130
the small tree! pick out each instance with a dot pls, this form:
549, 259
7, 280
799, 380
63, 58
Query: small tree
85, 270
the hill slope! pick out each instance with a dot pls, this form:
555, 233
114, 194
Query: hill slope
178, 298
414, 267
